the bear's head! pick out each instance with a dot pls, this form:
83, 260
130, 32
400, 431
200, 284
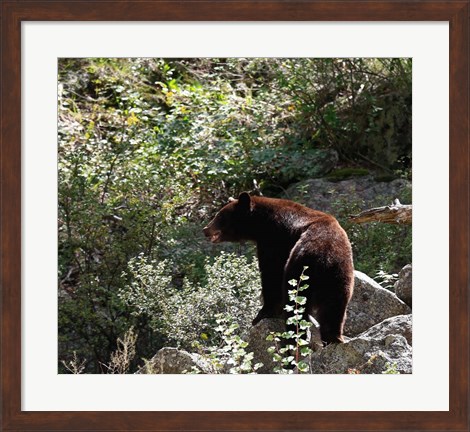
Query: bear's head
230, 223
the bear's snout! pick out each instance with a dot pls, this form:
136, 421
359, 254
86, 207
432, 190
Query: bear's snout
212, 234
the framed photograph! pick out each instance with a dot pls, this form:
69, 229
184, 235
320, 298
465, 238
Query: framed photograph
126, 125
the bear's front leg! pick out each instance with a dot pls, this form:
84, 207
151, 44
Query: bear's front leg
262, 314
275, 311
271, 264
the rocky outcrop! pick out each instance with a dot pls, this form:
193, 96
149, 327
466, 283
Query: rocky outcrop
384, 348
370, 304
363, 192
403, 286
378, 335
175, 361
258, 344
397, 325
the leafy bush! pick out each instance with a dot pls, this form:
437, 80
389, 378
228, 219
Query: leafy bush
230, 356
376, 246
187, 316
360, 107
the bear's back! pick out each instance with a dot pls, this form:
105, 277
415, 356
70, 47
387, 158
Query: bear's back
291, 214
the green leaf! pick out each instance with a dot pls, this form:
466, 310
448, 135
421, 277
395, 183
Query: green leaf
302, 366
291, 320
305, 324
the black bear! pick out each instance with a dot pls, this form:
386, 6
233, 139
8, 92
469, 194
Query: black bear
290, 236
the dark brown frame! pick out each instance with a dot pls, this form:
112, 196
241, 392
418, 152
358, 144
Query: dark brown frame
13, 12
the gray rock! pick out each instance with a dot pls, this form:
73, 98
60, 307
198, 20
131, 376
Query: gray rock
370, 305
258, 344
403, 286
354, 194
314, 336
372, 352
397, 325
175, 361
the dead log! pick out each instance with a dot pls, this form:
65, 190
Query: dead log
396, 213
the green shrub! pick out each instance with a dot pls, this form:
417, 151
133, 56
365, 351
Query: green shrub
376, 246
187, 315
230, 356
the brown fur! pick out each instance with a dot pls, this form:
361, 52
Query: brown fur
290, 236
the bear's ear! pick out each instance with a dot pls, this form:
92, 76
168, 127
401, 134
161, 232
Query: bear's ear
244, 200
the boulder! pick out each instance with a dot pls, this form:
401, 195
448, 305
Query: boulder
258, 344
370, 305
403, 286
175, 361
354, 194
397, 325
382, 349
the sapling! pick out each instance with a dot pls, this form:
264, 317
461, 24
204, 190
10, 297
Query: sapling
292, 347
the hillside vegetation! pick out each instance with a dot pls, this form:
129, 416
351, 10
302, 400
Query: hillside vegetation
150, 149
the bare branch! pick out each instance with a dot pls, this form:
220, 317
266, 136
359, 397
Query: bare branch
396, 213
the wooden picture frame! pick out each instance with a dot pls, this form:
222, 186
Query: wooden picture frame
13, 12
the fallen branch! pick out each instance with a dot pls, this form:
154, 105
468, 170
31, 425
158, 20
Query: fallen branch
396, 213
